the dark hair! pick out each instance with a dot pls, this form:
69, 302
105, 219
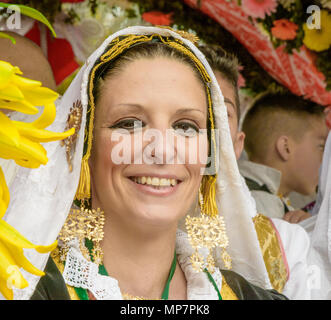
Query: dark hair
276, 114
225, 63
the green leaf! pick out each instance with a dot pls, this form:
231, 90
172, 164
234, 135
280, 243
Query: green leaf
6, 36
30, 12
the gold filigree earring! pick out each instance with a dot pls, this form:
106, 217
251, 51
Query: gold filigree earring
207, 232
84, 224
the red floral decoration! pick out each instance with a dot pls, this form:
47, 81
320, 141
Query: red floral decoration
284, 29
158, 18
259, 8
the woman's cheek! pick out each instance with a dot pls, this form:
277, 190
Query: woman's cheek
197, 153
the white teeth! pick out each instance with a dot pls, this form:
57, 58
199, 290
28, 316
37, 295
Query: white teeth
164, 182
154, 181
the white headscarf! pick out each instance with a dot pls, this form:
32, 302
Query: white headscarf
41, 199
320, 251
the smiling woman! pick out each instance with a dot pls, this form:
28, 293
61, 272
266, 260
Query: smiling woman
147, 94
120, 239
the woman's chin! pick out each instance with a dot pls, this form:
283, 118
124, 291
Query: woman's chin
155, 215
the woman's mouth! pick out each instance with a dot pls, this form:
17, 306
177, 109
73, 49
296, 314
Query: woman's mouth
155, 185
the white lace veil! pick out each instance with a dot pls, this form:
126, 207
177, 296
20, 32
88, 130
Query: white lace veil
42, 198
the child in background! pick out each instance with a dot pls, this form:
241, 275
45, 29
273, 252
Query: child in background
285, 138
289, 239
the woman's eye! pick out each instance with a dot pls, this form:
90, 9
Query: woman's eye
186, 129
128, 124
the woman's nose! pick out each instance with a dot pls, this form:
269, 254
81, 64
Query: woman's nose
159, 146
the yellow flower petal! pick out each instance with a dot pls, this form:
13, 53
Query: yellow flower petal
21, 261
4, 194
26, 151
11, 93
8, 133
6, 73
20, 106
45, 249
12, 258
5, 291
39, 135
3, 207
30, 164
9, 269
25, 82
39, 96
12, 236
47, 117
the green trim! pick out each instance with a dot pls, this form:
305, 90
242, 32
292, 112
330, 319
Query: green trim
83, 295
165, 294
211, 279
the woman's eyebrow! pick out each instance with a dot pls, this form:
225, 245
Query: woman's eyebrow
132, 105
227, 100
185, 110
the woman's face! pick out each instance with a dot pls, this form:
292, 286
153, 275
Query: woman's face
149, 115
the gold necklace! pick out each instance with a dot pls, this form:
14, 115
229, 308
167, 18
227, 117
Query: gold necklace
127, 296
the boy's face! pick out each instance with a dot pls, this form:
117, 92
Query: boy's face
230, 101
307, 157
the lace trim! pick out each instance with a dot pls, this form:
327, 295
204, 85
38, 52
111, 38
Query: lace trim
81, 273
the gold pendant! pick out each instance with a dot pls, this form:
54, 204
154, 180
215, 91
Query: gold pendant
207, 232
84, 224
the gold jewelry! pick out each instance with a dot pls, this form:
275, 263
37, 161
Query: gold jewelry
207, 232
84, 224
184, 34
74, 121
127, 296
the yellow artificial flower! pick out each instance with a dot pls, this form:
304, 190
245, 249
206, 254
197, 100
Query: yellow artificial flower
4, 194
21, 142
12, 259
319, 39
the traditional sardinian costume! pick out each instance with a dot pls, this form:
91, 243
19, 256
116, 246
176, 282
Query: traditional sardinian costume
42, 199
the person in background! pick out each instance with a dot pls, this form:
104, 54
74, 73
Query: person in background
285, 138
289, 240
29, 57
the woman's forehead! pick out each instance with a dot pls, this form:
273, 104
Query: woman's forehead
158, 81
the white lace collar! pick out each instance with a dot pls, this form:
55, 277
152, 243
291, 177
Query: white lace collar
79, 272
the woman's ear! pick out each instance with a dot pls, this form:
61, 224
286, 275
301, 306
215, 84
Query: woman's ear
283, 148
239, 144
